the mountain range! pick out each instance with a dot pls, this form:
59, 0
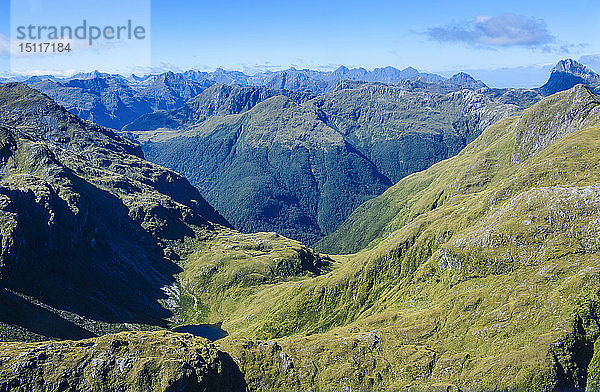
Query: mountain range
113, 100
478, 273
300, 166
457, 225
384, 132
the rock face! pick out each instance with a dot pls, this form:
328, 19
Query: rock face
568, 73
403, 132
129, 361
392, 131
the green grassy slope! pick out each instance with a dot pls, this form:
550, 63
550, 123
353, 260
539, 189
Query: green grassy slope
486, 279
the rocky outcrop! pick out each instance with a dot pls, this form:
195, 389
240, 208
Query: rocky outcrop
132, 361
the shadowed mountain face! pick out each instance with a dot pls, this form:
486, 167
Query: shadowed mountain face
84, 217
299, 166
480, 271
94, 239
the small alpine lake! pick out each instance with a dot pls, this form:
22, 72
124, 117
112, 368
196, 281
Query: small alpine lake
211, 332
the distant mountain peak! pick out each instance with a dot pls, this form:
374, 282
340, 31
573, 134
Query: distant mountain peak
342, 69
573, 67
88, 75
168, 77
465, 80
462, 76
568, 73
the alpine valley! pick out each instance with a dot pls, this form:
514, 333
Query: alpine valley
300, 231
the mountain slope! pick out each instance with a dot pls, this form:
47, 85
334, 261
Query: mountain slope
113, 101
300, 167
391, 210
403, 132
83, 214
464, 81
94, 237
276, 167
482, 274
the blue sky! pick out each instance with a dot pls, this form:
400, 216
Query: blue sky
503, 42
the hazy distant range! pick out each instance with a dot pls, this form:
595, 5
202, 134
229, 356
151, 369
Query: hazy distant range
521, 77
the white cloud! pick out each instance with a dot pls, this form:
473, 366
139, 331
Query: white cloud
496, 31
